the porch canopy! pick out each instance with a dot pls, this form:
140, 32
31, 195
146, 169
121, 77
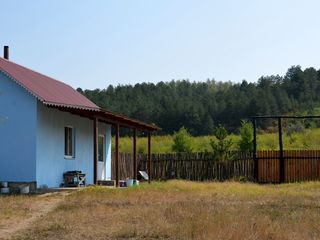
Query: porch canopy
117, 121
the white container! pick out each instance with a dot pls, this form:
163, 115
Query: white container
4, 184
5, 190
24, 189
130, 182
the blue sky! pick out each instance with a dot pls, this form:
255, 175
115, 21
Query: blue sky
92, 44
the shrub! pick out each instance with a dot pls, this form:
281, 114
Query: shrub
246, 136
222, 146
182, 141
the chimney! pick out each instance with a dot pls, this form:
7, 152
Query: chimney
6, 52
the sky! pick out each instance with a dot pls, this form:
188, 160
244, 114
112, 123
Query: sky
91, 44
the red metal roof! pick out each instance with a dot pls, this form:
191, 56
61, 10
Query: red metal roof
45, 89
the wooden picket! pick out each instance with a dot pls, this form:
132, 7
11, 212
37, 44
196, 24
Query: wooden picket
300, 165
190, 166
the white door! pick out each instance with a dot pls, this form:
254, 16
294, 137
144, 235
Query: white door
101, 158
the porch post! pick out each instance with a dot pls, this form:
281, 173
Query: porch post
135, 166
95, 149
149, 157
117, 154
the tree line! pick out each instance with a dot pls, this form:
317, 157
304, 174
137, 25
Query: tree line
201, 106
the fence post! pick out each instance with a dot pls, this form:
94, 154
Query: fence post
255, 159
135, 166
281, 160
149, 157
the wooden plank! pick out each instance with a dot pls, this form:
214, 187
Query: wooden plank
117, 155
276, 166
255, 160
281, 157
275, 162
95, 149
302, 164
135, 165
290, 166
149, 157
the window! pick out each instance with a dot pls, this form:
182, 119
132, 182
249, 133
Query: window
101, 148
69, 142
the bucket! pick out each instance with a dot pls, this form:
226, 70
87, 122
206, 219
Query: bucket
122, 184
5, 190
135, 182
4, 184
24, 189
130, 182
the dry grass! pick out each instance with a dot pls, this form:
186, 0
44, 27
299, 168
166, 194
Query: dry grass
13, 208
19, 212
186, 210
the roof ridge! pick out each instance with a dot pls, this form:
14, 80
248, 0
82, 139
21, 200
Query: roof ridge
29, 69
45, 88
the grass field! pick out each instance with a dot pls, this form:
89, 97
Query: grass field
181, 210
309, 139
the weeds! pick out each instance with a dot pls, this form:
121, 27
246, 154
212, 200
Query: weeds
308, 139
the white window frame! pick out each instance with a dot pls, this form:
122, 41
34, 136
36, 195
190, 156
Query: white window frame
73, 138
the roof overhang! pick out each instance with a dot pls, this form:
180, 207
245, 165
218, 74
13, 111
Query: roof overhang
109, 117
126, 121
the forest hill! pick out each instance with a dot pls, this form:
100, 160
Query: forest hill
200, 106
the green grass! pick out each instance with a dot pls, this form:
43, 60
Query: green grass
309, 139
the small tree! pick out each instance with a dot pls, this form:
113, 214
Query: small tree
182, 141
222, 146
246, 136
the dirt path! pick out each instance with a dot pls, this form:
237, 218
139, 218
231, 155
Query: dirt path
44, 204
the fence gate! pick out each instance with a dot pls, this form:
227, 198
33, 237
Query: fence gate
299, 165
284, 166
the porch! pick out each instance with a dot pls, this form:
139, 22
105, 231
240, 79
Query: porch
117, 121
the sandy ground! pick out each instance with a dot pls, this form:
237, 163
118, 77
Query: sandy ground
44, 204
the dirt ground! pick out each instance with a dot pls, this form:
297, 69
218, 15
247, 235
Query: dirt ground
20, 212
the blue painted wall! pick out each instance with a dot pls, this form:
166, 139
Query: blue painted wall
18, 113
32, 139
51, 163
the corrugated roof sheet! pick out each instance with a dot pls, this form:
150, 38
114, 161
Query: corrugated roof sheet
46, 89
60, 95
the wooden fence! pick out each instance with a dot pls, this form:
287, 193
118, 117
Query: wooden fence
299, 166
190, 166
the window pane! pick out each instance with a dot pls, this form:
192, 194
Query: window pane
66, 152
69, 141
100, 148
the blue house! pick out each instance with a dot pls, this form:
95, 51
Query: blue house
48, 128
